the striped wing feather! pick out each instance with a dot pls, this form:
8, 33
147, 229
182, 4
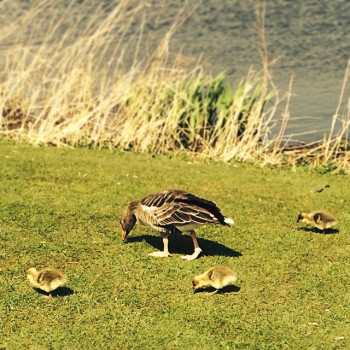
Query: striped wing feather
176, 207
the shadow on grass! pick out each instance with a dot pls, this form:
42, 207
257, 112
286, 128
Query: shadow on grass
184, 245
225, 290
59, 292
328, 231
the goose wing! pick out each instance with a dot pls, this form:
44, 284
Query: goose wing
176, 207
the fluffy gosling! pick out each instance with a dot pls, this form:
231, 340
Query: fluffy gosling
319, 219
46, 279
217, 277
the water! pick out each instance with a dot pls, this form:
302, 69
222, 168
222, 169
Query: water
309, 38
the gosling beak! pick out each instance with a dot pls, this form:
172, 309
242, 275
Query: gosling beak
123, 235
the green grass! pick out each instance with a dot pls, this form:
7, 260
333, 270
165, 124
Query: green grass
60, 208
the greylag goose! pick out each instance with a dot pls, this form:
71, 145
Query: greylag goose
217, 277
46, 279
172, 211
319, 219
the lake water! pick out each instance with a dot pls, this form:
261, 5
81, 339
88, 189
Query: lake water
309, 38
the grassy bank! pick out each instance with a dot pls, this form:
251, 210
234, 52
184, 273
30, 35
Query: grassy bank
60, 207
72, 75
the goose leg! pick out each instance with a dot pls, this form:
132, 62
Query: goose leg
197, 250
165, 253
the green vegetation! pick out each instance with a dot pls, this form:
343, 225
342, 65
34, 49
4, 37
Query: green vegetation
197, 113
65, 80
60, 207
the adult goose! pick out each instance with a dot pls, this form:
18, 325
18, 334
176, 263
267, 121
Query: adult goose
170, 212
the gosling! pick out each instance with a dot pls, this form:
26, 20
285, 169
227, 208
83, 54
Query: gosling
46, 279
217, 277
319, 219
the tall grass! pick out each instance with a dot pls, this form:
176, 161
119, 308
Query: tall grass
77, 77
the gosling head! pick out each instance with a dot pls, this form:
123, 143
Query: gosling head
31, 274
196, 283
300, 217
128, 220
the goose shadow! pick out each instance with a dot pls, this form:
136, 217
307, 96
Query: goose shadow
226, 290
327, 231
59, 292
184, 245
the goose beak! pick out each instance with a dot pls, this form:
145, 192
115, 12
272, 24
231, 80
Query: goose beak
123, 235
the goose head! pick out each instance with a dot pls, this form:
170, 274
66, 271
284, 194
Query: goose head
128, 219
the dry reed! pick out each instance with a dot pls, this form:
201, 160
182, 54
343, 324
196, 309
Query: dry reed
79, 78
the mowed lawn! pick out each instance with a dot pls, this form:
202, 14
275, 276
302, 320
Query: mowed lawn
60, 207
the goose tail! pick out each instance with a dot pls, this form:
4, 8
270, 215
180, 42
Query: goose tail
228, 221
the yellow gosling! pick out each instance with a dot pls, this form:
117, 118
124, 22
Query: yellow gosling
46, 279
217, 277
319, 219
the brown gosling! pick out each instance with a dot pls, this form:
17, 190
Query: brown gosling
46, 279
217, 277
319, 219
